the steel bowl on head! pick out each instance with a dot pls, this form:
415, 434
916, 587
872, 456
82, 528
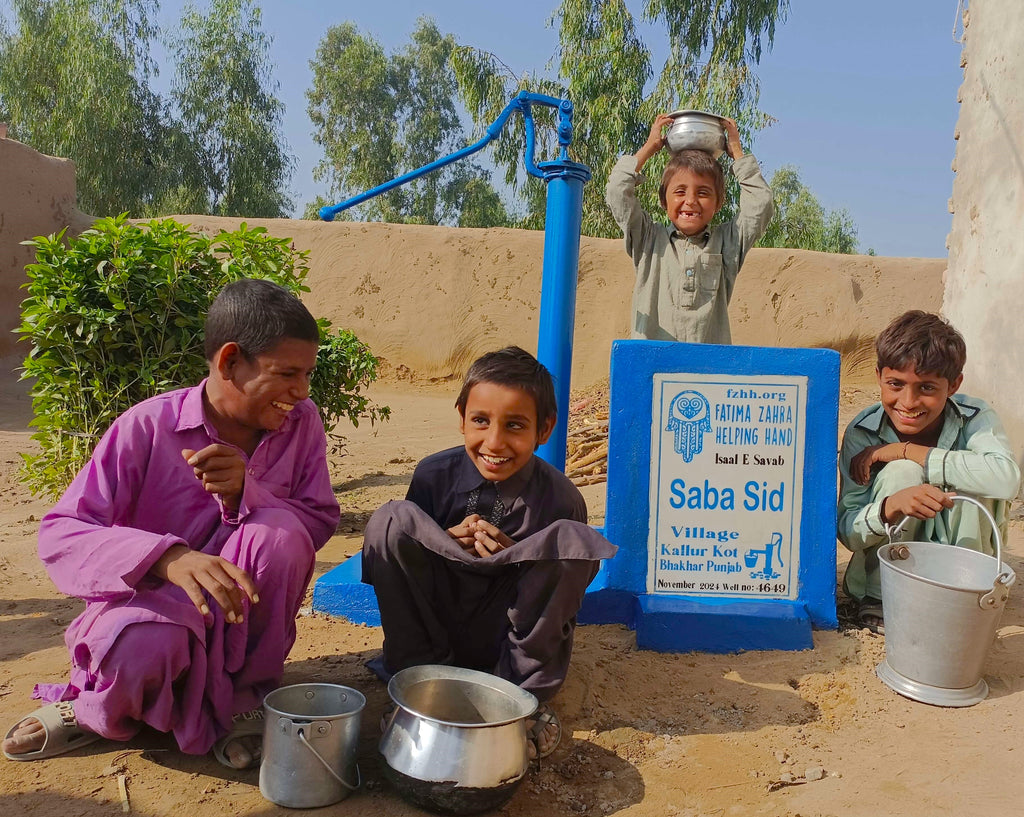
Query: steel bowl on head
696, 130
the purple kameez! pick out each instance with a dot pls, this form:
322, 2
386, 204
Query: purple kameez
135, 499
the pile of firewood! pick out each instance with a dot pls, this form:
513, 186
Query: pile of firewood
586, 459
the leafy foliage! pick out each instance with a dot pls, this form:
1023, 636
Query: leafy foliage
605, 67
225, 92
116, 316
379, 116
800, 221
74, 83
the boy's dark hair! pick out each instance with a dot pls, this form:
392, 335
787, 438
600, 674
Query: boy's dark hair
515, 368
925, 341
257, 315
700, 162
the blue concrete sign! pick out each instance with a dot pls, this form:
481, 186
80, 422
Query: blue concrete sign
721, 496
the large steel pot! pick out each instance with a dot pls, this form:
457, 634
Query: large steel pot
456, 742
696, 130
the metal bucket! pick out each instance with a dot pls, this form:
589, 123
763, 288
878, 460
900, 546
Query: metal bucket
456, 742
942, 606
310, 736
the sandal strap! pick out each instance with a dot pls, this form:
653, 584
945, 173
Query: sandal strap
251, 715
66, 710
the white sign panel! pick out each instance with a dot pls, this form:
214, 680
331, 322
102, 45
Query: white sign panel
726, 485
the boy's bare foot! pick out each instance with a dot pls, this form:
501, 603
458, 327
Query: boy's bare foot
242, 747
244, 752
27, 736
49, 731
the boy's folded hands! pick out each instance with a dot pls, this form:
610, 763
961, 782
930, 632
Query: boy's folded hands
476, 535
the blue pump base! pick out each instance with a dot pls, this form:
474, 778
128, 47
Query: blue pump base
340, 592
682, 624
662, 623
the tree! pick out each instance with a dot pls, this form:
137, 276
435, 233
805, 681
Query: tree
605, 68
116, 315
800, 221
225, 91
378, 116
74, 83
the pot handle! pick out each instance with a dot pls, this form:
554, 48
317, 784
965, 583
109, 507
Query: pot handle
326, 765
895, 535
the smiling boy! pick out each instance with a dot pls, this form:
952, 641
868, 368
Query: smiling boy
908, 454
686, 271
191, 536
485, 563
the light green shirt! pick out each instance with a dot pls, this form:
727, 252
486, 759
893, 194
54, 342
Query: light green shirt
972, 456
684, 284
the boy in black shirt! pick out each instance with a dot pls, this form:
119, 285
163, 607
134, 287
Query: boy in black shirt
485, 563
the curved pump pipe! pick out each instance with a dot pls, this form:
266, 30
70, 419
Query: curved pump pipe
565, 179
521, 102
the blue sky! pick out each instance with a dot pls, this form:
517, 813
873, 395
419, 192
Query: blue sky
864, 94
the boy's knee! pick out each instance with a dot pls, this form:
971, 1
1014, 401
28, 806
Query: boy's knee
389, 528
897, 475
165, 645
276, 535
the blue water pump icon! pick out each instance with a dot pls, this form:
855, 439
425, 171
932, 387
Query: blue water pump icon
771, 552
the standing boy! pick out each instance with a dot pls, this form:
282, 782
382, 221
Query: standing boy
191, 534
907, 455
685, 272
485, 563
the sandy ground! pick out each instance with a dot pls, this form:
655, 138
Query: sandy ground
646, 733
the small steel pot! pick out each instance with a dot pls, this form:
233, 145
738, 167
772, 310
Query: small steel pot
696, 130
456, 742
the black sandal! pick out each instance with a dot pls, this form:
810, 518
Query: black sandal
869, 615
542, 718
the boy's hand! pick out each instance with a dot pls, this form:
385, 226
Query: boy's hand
860, 465
656, 138
221, 470
465, 532
919, 501
194, 572
655, 141
476, 535
489, 540
732, 133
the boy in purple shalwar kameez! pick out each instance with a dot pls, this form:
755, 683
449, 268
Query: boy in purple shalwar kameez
191, 534
485, 563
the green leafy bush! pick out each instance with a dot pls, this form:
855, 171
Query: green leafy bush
116, 316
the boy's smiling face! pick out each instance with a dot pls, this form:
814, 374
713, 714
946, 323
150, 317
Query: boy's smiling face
501, 430
914, 401
691, 201
267, 387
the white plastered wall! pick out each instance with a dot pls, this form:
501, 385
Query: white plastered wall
984, 288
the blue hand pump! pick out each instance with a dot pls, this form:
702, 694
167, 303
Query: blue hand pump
562, 223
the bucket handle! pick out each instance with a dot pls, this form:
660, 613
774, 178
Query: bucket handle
895, 534
359, 777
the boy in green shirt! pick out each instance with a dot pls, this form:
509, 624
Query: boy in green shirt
906, 455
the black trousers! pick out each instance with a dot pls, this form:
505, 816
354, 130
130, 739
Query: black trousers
513, 619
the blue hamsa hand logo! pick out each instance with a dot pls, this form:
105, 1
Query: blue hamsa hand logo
689, 416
